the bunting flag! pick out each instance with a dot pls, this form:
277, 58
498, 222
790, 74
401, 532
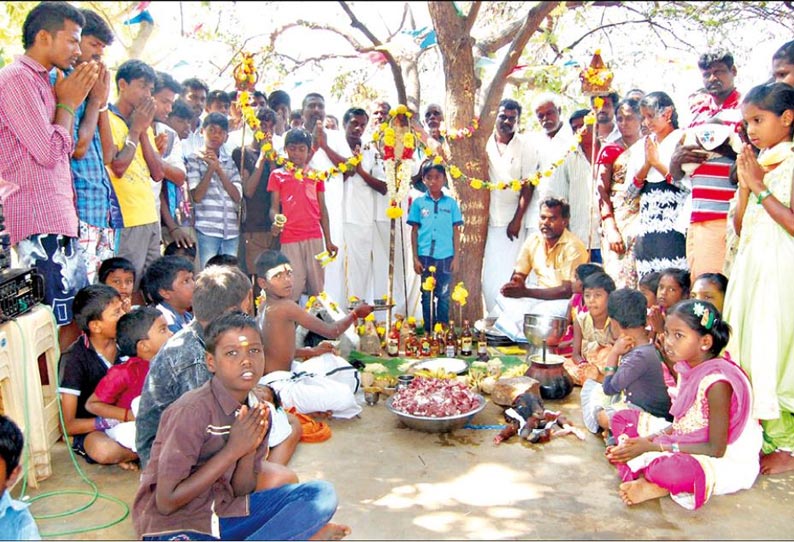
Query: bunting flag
429, 40
484, 61
142, 6
377, 58
143, 16
416, 33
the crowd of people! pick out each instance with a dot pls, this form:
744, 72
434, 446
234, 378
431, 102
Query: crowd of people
154, 218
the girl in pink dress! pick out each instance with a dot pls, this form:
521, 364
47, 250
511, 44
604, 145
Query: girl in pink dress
713, 445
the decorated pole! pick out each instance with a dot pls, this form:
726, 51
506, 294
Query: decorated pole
596, 81
398, 150
245, 78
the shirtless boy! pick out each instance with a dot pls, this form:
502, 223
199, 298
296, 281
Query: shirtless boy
327, 382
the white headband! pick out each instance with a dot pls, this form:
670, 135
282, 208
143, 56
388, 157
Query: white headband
273, 271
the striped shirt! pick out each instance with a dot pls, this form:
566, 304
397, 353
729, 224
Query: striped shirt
703, 107
34, 154
91, 181
573, 180
217, 214
712, 190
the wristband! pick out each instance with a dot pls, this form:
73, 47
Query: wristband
610, 369
65, 107
101, 424
668, 178
638, 182
131, 142
607, 215
675, 448
763, 195
103, 108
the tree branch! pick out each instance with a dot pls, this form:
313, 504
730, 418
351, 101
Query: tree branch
393, 64
533, 20
471, 18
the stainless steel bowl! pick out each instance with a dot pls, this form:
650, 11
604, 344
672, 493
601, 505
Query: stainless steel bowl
543, 327
436, 425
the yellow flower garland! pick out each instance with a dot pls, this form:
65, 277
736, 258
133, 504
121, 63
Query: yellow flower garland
245, 77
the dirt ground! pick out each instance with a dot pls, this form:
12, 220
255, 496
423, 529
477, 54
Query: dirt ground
395, 483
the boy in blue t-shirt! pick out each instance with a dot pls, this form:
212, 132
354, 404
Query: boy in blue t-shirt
16, 522
436, 221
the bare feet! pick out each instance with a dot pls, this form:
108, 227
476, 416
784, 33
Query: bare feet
777, 462
640, 490
332, 531
129, 465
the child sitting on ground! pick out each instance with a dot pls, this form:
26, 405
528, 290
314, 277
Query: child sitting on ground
325, 383
637, 383
648, 285
224, 259
674, 286
187, 252
209, 449
593, 336
713, 444
139, 335
17, 522
576, 305
710, 287
97, 309
119, 274
168, 283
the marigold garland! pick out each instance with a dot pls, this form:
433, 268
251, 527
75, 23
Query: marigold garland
245, 77
462, 132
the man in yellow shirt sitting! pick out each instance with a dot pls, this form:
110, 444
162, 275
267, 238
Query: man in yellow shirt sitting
551, 256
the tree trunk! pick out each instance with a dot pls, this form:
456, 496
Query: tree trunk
468, 153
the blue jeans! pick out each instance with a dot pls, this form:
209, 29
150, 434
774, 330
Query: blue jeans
209, 246
291, 512
441, 292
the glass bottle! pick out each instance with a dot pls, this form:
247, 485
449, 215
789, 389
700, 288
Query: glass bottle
412, 344
451, 341
482, 347
466, 340
393, 342
437, 340
424, 349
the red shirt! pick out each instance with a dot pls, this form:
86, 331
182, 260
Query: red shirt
34, 155
703, 107
299, 204
123, 383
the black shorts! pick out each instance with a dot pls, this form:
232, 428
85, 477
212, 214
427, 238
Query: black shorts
78, 447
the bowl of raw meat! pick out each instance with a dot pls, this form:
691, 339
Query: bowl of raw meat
435, 405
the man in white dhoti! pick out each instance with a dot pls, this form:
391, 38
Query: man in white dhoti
510, 158
329, 149
552, 254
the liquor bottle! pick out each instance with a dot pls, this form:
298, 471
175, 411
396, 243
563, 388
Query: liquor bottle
412, 344
451, 341
437, 344
393, 342
424, 349
405, 332
482, 347
466, 340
